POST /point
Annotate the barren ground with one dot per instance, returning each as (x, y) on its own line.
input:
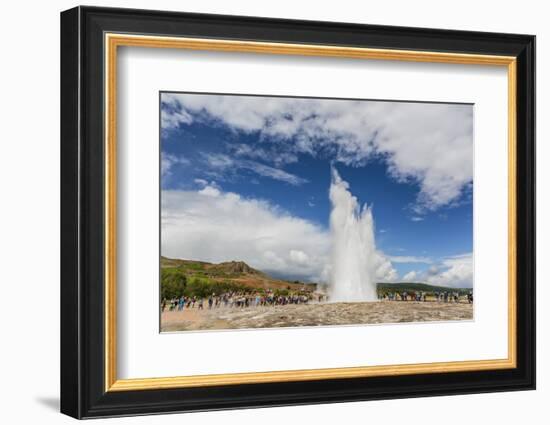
(314, 315)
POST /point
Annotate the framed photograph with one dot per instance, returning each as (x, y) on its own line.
(261, 212)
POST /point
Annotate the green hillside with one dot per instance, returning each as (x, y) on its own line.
(199, 278)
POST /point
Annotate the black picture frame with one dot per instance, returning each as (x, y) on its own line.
(83, 392)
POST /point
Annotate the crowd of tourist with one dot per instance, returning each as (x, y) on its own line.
(244, 300)
(421, 296)
(238, 300)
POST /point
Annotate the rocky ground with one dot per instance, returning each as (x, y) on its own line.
(314, 315)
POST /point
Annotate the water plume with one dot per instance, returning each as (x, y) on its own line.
(353, 257)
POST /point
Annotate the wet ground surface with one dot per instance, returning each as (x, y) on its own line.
(326, 314)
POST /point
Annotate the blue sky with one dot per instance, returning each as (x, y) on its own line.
(270, 157)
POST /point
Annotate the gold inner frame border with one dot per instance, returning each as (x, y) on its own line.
(113, 40)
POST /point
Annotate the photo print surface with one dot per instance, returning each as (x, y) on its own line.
(289, 211)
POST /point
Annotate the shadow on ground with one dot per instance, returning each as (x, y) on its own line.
(49, 402)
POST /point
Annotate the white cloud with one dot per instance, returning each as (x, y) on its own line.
(279, 158)
(417, 218)
(409, 259)
(427, 143)
(274, 173)
(410, 276)
(167, 161)
(172, 118)
(210, 191)
(298, 257)
(201, 182)
(212, 225)
(216, 226)
(455, 271)
(222, 163)
(384, 269)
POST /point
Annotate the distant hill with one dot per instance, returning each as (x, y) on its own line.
(226, 268)
(236, 272)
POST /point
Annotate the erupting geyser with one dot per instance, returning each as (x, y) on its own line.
(353, 248)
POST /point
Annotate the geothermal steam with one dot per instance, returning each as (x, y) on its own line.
(353, 247)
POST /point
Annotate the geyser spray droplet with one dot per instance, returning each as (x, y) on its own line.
(353, 247)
